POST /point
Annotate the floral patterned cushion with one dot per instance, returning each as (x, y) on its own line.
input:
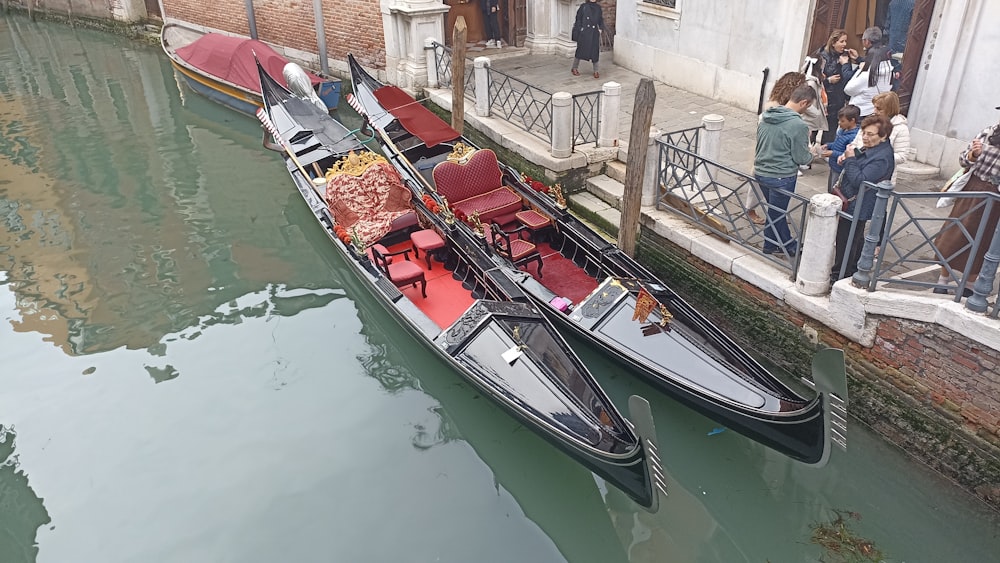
(368, 203)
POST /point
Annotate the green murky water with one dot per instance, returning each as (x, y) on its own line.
(186, 375)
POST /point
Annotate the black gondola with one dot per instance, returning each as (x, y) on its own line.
(626, 311)
(476, 320)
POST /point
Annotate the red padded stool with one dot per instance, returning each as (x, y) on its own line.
(427, 240)
(533, 220)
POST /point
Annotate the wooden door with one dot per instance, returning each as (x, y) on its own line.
(517, 22)
(829, 15)
(153, 9)
(920, 25)
(473, 14)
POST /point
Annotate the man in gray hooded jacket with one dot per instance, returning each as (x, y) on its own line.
(782, 146)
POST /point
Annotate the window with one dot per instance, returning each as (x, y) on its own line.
(670, 9)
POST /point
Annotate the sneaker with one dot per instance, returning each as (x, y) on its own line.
(491, 44)
(499, 43)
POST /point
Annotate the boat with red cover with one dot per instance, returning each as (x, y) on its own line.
(222, 67)
(474, 318)
(599, 293)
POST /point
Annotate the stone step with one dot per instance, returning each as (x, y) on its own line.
(916, 169)
(606, 189)
(596, 212)
(615, 169)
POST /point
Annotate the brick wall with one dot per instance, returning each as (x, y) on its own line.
(354, 26)
(927, 389)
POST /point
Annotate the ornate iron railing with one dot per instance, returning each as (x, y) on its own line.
(523, 104)
(517, 101)
(713, 196)
(904, 255)
(586, 117)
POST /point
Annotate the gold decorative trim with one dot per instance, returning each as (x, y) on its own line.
(354, 164)
(461, 153)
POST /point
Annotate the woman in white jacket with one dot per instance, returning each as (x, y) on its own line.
(873, 78)
(887, 104)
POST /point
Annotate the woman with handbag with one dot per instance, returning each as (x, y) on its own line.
(982, 159)
(587, 34)
(874, 163)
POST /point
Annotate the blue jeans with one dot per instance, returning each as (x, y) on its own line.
(776, 231)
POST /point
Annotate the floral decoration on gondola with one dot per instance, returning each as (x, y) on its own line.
(555, 190)
(442, 208)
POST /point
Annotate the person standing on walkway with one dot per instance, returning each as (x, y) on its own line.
(897, 24)
(874, 163)
(782, 146)
(982, 159)
(837, 70)
(587, 34)
(491, 17)
(874, 76)
(780, 94)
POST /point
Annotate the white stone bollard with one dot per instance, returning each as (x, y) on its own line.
(432, 72)
(611, 102)
(562, 125)
(819, 243)
(482, 70)
(710, 142)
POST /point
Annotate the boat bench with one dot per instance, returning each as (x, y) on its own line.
(476, 185)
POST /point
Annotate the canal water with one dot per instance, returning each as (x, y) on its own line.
(186, 374)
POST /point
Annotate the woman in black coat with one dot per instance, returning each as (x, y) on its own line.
(837, 70)
(587, 34)
(874, 164)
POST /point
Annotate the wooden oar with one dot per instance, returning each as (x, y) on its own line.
(265, 120)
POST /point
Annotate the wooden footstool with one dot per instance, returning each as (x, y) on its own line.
(428, 241)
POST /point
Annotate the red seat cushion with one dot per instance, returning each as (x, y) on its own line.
(520, 248)
(426, 239)
(533, 219)
(404, 272)
(489, 205)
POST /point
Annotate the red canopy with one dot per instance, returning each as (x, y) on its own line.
(414, 117)
(231, 59)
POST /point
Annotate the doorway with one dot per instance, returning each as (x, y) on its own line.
(855, 16)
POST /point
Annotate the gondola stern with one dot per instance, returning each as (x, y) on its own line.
(642, 420)
(829, 372)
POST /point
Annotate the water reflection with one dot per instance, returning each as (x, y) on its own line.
(129, 216)
(21, 510)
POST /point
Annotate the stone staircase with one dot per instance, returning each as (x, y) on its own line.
(600, 203)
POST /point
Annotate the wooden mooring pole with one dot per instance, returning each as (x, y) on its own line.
(458, 74)
(638, 141)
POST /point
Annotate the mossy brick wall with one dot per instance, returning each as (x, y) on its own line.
(929, 390)
(349, 25)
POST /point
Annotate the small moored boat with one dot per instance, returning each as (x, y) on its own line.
(599, 293)
(448, 297)
(222, 67)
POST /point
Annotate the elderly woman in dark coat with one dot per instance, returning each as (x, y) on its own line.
(873, 164)
(587, 34)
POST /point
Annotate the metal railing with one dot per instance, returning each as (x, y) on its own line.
(712, 196)
(903, 255)
(527, 106)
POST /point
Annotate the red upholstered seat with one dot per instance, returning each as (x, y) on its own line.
(515, 249)
(476, 186)
(533, 219)
(427, 240)
(400, 273)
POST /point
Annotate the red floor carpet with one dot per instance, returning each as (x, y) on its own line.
(562, 276)
(446, 298)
